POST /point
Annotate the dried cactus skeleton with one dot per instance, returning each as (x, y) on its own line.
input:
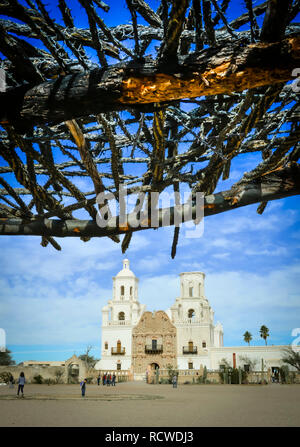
(165, 102)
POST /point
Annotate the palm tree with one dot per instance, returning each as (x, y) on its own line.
(264, 333)
(247, 337)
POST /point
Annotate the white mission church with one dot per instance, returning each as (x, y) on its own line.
(184, 335)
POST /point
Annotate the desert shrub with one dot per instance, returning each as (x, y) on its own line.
(4, 377)
(235, 375)
(38, 379)
(284, 374)
(293, 377)
(58, 376)
(122, 379)
(171, 372)
(222, 376)
(232, 376)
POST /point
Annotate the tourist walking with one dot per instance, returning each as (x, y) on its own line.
(104, 379)
(11, 381)
(83, 387)
(113, 382)
(174, 381)
(108, 380)
(98, 379)
(21, 383)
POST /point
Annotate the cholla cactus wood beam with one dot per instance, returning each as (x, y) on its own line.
(84, 112)
(230, 69)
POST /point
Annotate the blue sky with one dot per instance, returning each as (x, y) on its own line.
(51, 301)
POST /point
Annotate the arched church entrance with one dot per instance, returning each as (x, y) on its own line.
(154, 366)
(73, 373)
(153, 372)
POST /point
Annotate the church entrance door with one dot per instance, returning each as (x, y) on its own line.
(154, 366)
(153, 373)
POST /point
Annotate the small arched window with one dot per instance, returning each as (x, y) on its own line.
(204, 344)
(122, 290)
(121, 316)
(191, 291)
(106, 345)
(131, 291)
(191, 313)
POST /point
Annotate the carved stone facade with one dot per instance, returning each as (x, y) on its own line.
(153, 343)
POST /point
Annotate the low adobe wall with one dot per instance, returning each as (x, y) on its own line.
(47, 372)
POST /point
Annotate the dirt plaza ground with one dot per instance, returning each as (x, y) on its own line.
(137, 404)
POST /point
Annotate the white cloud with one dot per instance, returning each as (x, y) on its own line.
(221, 255)
(255, 222)
(159, 292)
(274, 251)
(223, 243)
(45, 314)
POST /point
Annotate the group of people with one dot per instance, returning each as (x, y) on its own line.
(107, 379)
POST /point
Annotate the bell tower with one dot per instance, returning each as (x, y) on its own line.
(125, 285)
(119, 317)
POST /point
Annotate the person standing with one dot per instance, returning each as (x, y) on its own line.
(113, 382)
(11, 381)
(21, 383)
(108, 379)
(83, 387)
(98, 379)
(174, 381)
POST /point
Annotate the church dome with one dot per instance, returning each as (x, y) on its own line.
(125, 272)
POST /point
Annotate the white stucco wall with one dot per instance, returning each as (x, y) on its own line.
(270, 354)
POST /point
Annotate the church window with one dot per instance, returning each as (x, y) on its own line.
(118, 366)
(204, 344)
(131, 291)
(191, 313)
(121, 316)
(122, 290)
(191, 289)
(191, 365)
(106, 345)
